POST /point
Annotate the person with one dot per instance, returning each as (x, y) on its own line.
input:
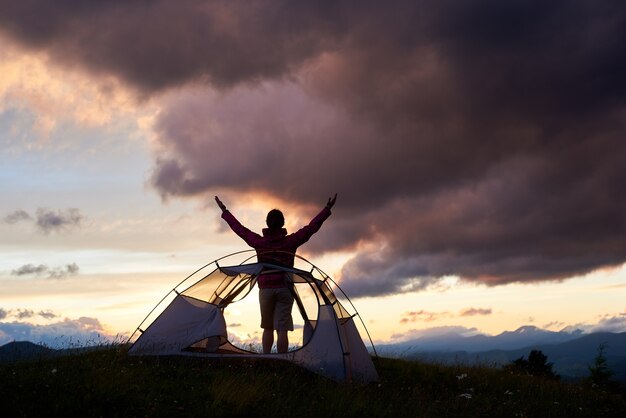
(276, 247)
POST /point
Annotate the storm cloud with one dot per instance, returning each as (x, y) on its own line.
(154, 45)
(483, 139)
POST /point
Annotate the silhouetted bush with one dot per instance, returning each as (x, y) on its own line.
(536, 365)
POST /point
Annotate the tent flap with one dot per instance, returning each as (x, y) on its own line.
(184, 322)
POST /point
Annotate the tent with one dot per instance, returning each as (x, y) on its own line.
(193, 323)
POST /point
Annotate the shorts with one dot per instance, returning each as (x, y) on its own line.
(276, 307)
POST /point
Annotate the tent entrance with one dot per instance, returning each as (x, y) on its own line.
(238, 298)
(243, 319)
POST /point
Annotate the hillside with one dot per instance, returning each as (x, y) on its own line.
(23, 350)
(109, 383)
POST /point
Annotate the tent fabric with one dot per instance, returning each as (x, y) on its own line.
(193, 324)
(184, 322)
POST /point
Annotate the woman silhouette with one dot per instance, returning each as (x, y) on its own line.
(277, 247)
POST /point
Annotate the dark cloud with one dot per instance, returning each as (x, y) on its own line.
(17, 216)
(455, 151)
(158, 44)
(50, 272)
(3, 313)
(48, 220)
(482, 139)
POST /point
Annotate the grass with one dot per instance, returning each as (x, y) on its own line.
(109, 383)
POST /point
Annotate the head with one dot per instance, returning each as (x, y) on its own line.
(275, 219)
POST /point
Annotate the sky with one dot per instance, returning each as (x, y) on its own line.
(477, 149)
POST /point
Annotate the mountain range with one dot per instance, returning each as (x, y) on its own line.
(508, 340)
(570, 352)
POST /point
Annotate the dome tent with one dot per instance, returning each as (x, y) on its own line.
(193, 323)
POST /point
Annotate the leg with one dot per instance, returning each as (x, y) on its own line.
(282, 344)
(268, 340)
(266, 302)
(283, 322)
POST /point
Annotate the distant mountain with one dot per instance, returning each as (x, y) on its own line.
(571, 353)
(573, 358)
(530, 335)
(508, 340)
(24, 350)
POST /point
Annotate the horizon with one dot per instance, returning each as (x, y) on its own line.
(477, 151)
(429, 335)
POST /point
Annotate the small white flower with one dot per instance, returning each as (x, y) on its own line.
(465, 395)
(508, 392)
(461, 376)
(53, 371)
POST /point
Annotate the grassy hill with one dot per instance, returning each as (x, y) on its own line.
(24, 350)
(109, 383)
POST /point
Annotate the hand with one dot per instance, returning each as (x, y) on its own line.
(220, 204)
(331, 201)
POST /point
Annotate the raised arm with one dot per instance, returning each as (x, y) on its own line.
(251, 238)
(331, 201)
(305, 233)
(220, 204)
